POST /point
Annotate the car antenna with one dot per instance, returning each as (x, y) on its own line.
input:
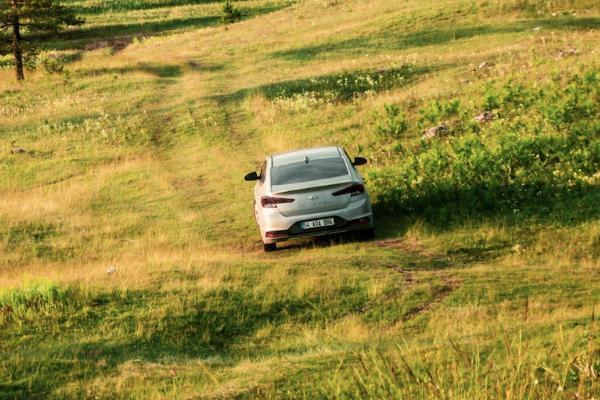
(306, 160)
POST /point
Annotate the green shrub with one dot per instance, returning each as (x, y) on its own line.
(230, 14)
(437, 110)
(33, 301)
(530, 160)
(6, 61)
(492, 99)
(392, 123)
(52, 63)
(579, 100)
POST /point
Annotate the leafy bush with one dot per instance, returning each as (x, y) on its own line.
(230, 14)
(525, 160)
(579, 100)
(52, 63)
(6, 62)
(492, 99)
(393, 123)
(437, 110)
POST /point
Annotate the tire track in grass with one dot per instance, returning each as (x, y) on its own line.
(421, 262)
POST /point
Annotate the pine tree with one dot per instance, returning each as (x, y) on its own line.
(23, 22)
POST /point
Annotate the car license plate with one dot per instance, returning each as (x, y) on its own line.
(318, 223)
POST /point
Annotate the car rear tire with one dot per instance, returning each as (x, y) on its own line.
(367, 234)
(268, 247)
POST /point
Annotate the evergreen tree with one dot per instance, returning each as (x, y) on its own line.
(24, 21)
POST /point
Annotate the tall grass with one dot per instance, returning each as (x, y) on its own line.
(35, 301)
(459, 371)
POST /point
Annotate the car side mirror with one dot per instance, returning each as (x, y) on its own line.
(359, 161)
(252, 176)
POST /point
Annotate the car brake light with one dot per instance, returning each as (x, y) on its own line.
(352, 190)
(271, 202)
(277, 234)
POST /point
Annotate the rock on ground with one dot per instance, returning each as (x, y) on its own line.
(435, 131)
(17, 150)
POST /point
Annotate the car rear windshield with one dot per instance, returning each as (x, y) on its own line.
(298, 172)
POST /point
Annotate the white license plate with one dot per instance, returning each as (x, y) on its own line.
(318, 223)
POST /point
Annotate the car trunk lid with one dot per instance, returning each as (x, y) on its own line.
(313, 197)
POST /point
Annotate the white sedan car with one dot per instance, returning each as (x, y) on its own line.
(310, 192)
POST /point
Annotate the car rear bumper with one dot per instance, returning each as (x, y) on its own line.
(275, 227)
(341, 226)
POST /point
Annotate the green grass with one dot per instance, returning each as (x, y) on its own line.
(130, 265)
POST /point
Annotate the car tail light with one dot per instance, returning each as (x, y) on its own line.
(271, 202)
(277, 234)
(360, 221)
(352, 190)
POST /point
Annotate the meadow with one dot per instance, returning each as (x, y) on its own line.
(130, 264)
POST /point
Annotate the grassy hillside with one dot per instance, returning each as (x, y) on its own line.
(130, 265)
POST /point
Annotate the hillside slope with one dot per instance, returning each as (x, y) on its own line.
(130, 266)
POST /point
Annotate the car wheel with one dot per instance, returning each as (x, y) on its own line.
(367, 234)
(269, 247)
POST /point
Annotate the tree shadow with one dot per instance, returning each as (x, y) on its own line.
(205, 67)
(393, 38)
(212, 326)
(134, 5)
(119, 36)
(161, 71)
(118, 6)
(454, 209)
(158, 70)
(445, 208)
(82, 37)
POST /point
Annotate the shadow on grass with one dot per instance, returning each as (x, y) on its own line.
(455, 209)
(158, 70)
(390, 230)
(122, 6)
(81, 37)
(134, 5)
(394, 38)
(342, 86)
(346, 85)
(211, 325)
(201, 67)
(444, 208)
(119, 36)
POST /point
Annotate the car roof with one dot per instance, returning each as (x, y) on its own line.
(300, 155)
